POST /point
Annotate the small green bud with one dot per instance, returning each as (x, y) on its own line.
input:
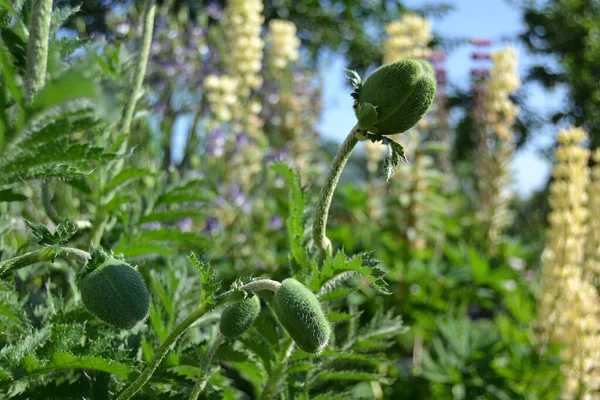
(300, 313)
(401, 92)
(238, 317)
(115, 293)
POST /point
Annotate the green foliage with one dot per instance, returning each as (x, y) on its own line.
(37, 139)
(341, 269)
(295, 220)
(564, 30)
(461, 362)
(441, 320)
(63, 234)
(209, 282)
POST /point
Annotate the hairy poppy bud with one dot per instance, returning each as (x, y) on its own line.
(299, 311)
(238, 317)
(115, 293)
(400, 92)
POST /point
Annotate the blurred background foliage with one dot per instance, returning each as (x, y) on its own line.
(461, 253)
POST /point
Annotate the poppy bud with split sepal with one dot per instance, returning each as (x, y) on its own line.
(394, 97)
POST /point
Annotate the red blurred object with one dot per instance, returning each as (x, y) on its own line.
(440, 75)
(480, 72)
(481, 42)
(437, 56)
(480, 56)
(478, 88)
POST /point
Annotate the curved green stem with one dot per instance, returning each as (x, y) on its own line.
(201, 384)
(160, 354)
(255, 286)
(37, 47)
(43, 254)
(142, 61)
(100, 219)
(320, 239)
(270, 390)
(47, 202)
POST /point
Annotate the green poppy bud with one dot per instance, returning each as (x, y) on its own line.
(238, 317)
(400, 92)
(115, 293)
(300, 313)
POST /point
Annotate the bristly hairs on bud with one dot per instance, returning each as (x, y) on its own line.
(237, 288)
(356, 81)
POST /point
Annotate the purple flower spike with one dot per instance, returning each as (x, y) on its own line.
(241, 140)
(185, 224)
(276, 223)
(236, 195)
(214, 10)
(215, 143)
(277, 156)
(151, 226)
(213, 226)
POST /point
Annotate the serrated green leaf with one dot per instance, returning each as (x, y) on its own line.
(335, 294)
(192, 191)
(294, 222)
(9, 78)
(209, 280)
(336, 316)
(66, 125)
(67, 46)
(58, 172)
(52, 153)
(170, 215)
(72, 85)
(173, 235)
(60, 15)
(341, 269)
(125, 176)
(261, 347)
(350, 376)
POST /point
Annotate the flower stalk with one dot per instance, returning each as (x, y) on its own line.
(160, 354)
(41, 255)
(201, 384)
(320, 240)
(37, 48)
(141, 64)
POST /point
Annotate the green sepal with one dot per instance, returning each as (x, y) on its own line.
(367, 116)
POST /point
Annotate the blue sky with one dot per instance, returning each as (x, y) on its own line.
(493, 19)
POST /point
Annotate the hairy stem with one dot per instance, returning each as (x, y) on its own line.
(255, 286)
(41, 255)
(148, 12)
(142, 61)
(320, 239)
(270, 390)
(160, 354)
(203, 379)
(37, 47)
(47, 202)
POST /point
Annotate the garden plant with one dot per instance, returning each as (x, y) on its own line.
(173, 227)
